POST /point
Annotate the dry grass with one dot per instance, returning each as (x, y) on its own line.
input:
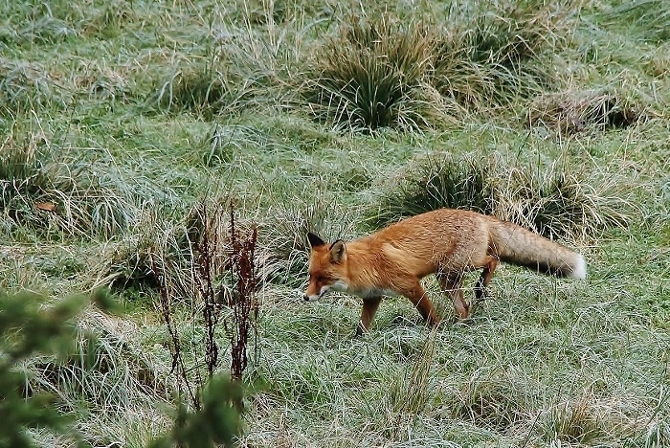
(119, 118)
(374, 75)
(381, 72)
(556, 200)
(59, 194)
(571, 112)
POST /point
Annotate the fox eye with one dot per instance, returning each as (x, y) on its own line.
(319, 278)
(316, 277)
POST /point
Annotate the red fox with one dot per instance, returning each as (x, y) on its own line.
(445, 242)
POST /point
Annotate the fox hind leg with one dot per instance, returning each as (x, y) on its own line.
(485, 278)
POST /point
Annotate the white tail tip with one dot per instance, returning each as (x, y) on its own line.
(580, 268)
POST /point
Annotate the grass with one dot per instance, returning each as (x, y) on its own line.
(415, 74)
(645, 15)
(373, 76)
(551, 197)
(117, 120)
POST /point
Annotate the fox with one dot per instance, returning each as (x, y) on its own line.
(447, 243)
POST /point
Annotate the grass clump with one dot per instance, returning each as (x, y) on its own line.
(446, 182)
(60, 194)
(201, 90)
(25, 182)
(574, 422)
(587, 419)
(20, 169)
(135, 262)
(379, 73)
(373, 75)
(239, 69)
(214, 88)
(26, 87)
(560, 200)
(555, 200)
(41, 24)
(128, 264)
(487, 57)
(568, 113)
(497, 400)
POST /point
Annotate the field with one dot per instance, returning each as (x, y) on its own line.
(128, 130)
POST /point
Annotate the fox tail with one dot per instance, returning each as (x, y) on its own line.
(516, 245)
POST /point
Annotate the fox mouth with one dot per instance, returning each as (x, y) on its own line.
(315, 297)
(337, 286)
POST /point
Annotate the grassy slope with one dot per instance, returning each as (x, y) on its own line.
(542, 361)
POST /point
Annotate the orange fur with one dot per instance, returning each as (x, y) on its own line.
(444, 242)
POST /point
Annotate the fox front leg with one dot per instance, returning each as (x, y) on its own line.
(370, 306)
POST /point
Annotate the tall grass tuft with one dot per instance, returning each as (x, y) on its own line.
(574, 421)
(571, 112)
(243, 67)
(379, 73)
(373, 75)
(409, 394)
(129, 263)
(60, 195)
(555, 200)
(26, 87)
(20, 167)
(438, 182)
(486, 58)
(199, 89)
(160, 243)
(496, 399)
(26, 183)
(559, 200)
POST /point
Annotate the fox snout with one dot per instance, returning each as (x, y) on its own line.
(313, 294)
(315, 291)
(307, 297)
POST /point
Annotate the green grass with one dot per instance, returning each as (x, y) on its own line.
(339, 117)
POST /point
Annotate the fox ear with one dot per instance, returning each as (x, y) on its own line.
(314, 240)
(337, 251)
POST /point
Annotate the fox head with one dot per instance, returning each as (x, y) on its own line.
(327, 267)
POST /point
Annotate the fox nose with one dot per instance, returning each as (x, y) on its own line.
(305, 297)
